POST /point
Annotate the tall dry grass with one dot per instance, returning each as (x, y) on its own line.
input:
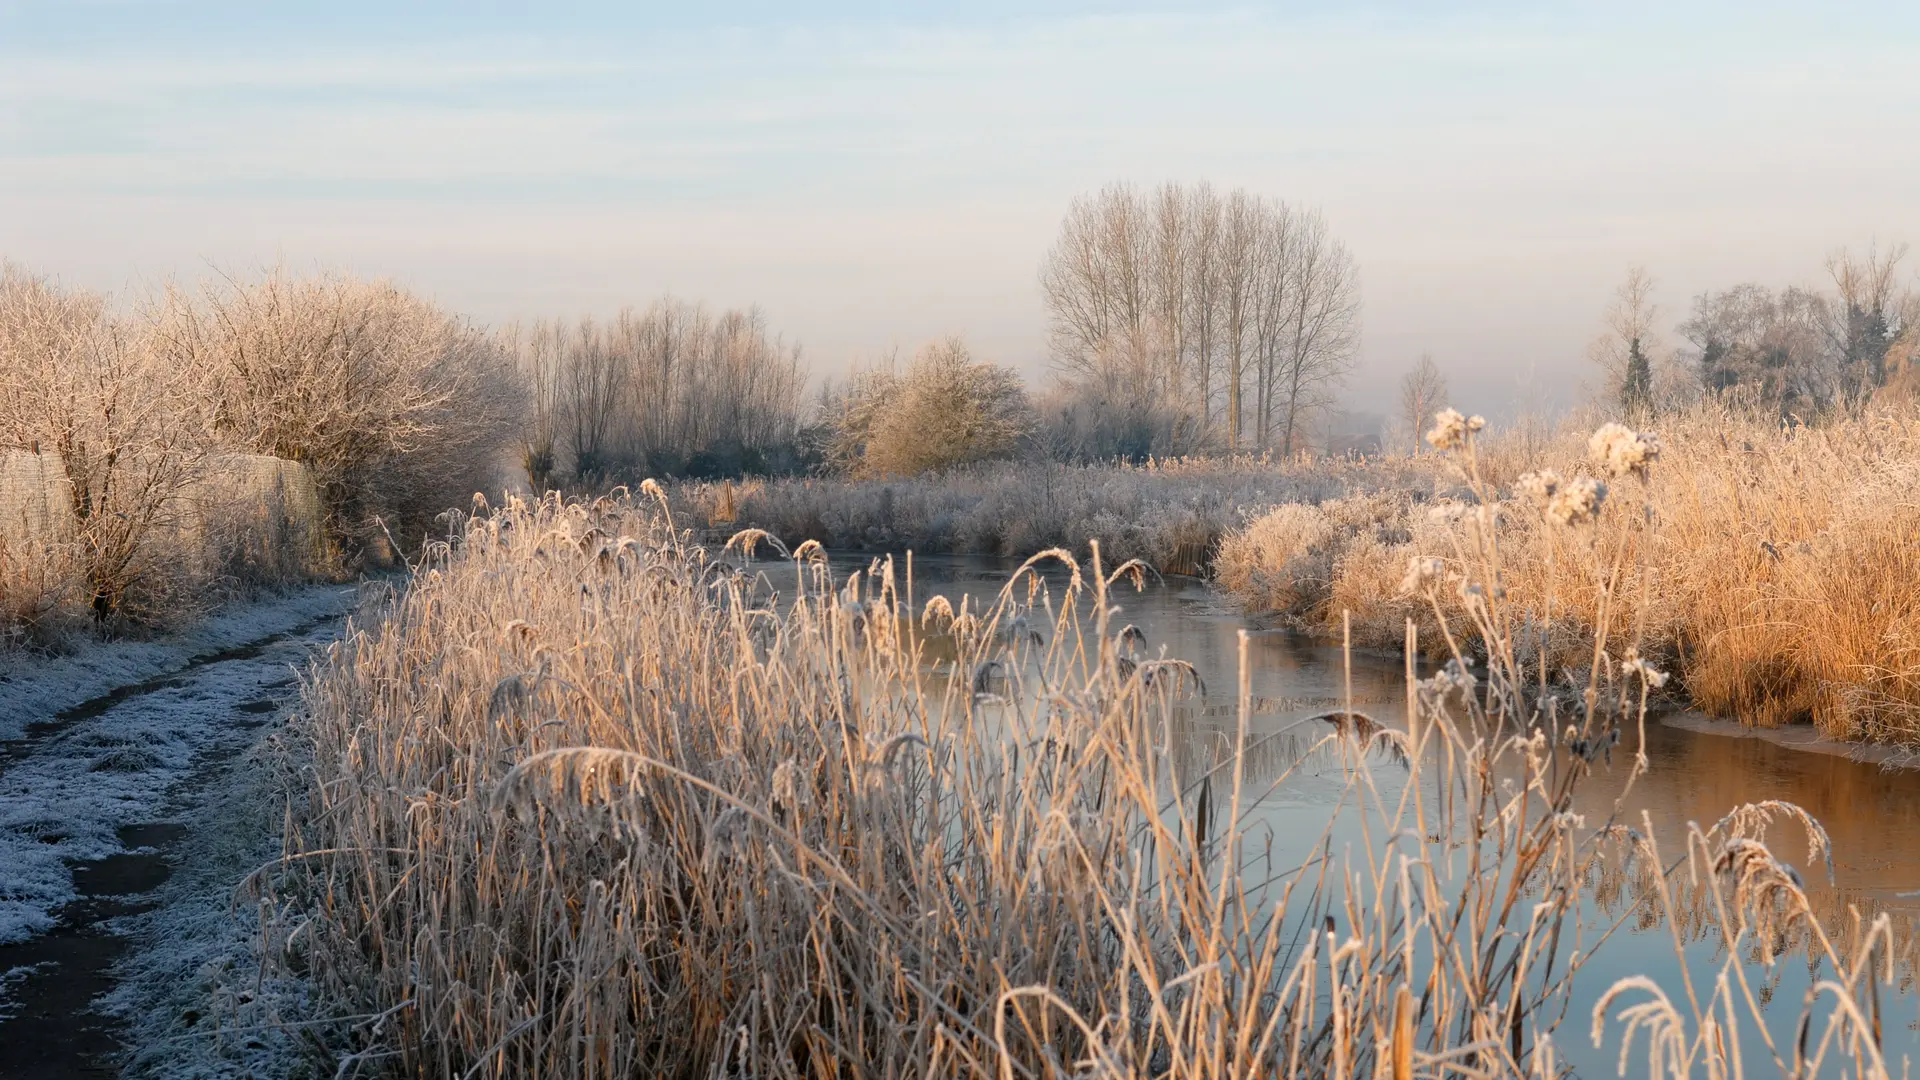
(1774, 564)
(589, 802)
(1169, 513)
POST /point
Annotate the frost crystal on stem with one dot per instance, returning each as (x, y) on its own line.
(1618, 451)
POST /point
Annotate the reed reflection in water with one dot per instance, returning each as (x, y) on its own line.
(1868, 813)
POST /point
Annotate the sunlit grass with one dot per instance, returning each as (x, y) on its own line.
(589, 801)
(1771, 565)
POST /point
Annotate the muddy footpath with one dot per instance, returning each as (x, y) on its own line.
(127, 818)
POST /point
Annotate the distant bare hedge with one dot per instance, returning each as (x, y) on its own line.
(947, 409)
(400, 409)
(674, 390)
(140, 443)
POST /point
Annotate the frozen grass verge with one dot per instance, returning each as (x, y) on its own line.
(66, 794)
(197, 998)
(35, 687)
(1170, 514)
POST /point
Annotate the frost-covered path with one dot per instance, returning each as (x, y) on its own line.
(130, 798)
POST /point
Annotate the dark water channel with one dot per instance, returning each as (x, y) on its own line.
(1871, 814)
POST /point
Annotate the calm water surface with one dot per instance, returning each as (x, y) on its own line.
(1872, 816)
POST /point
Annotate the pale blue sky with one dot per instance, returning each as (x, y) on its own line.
(878, 173)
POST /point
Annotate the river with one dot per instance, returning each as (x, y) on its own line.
(1692, 776)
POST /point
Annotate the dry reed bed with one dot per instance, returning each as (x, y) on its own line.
(1169, 514)
(587, 802)
(1775, 566)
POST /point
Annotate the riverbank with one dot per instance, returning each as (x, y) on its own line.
(1804, 738)
(1169, 514)
(1769, 568)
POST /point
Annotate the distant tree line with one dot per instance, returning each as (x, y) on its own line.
(674, 390)
(1181, 321)
(1792, 351)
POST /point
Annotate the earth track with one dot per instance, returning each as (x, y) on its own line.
(98, 806)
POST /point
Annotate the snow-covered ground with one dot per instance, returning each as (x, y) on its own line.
(180, 743)
(193, 995)
(35, 688)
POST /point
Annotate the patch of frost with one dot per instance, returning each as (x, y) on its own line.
(8, 980)
(67, 799)
(199, 999)
(34, 688)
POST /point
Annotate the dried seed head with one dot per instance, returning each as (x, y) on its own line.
(1453, 677)
(1540, 487)
(788, 792)
(1652, 676)
(937, 615)
(1422, 572)
(1617, 450)
(1577, 502)
(1450, 429)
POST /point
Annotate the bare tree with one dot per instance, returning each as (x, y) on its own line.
(537, 353)
(123, 423)
(946, 409)
(1864, 321)
(1799, 351)
(592, 378)
(1239, 260)
(1324, 322)
(1423, 391)
(849, 412)
(1168, 289)
(1278, 283)
(1625, 350)
(1200, 310)
(398, 408)
(1096, 283)
(1764, 348)
(1238, 310)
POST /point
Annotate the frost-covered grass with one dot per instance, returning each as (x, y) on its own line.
(10, 979)
(589, 803)
(1774, 566)
(1169, 514)
(197, 999)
